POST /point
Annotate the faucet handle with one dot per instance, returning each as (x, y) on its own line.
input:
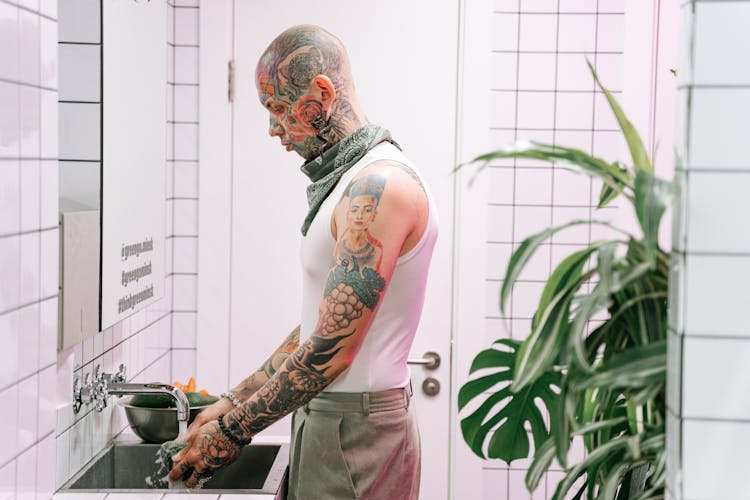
(100, 386)
(77, 395)
(120, 375)
(101, 400)
(83, 392)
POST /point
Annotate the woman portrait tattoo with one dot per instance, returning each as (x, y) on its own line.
(357, 242)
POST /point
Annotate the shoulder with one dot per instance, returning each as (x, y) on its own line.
(398, 180)
(386, 198)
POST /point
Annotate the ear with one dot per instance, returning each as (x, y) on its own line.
(323, 86)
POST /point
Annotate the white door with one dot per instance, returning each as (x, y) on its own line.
(403, 58)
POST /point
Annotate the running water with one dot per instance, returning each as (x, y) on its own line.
(182, 426)
(159, 479)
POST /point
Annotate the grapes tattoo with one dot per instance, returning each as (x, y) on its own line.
(342, 307)
(348, 292)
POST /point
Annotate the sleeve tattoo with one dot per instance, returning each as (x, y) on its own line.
(251, 384)
(352, 291)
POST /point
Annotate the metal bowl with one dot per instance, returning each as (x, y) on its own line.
(156, 425)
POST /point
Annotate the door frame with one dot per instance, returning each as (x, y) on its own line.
(469, 228)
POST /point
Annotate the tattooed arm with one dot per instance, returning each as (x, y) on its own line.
(251, 384)
(247, 387)
(382, 209)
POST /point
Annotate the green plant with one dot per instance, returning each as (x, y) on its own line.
(604, 384)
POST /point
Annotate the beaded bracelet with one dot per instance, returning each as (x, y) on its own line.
(230, 436)
(231, 397)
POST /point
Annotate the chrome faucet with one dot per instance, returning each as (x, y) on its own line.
(121, 388)
(103, 385)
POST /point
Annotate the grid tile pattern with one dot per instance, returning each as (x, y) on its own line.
(708, 424)
(182, 189)
(543, 91)
(28, 245)
(142, 341)
(49, 442)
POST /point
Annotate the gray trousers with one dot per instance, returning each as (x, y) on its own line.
(355, 445)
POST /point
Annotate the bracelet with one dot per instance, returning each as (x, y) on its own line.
(230, 436)
(231, 397)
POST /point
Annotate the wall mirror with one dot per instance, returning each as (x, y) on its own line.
(112, 108)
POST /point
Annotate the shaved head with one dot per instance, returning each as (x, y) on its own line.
(298, 55)
(304, 80)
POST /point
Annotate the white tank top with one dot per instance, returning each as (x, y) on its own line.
(380, 363)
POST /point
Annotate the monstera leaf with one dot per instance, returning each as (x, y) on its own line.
(504, 413)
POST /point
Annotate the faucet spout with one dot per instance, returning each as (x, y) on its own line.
(183, 406)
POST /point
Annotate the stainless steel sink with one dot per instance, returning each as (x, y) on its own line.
(124, 467)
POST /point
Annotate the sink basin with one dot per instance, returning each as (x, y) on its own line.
(124, 467)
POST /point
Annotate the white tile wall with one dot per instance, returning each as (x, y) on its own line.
(505, 30)
(537, 32)
(48, 51)
(708, 431)
(9, 122)
(710, 469)
(184, 330)
(717, 120)
(186, 102)
(578, 33)
(29, 44)
(9, 196)
(185, 296)
(182, 219)
(715, 376)
(79, 72)
(185, 217)
(49, 442)
(729, 294)
(79, 21)
(185, 141)
(542, 90)
(80, 131)
(535, 110)
(721, 28)
(186, 27)
(535, 71)
(186, 64)
(30, 193)
(185, 179)
(49, 125)
(711, 216)
(29, 121)
(186, 258)
(25, 57)
(8, 480)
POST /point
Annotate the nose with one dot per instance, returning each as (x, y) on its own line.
(274, 128)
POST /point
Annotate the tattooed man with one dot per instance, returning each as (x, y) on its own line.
(367, 242)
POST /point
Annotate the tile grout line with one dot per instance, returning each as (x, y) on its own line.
(27, 377)
(29, 304)
(21, 452)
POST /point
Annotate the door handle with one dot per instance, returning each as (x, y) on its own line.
(430, 360)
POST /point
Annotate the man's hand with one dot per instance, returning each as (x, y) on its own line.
(210, 414)
(208, 451)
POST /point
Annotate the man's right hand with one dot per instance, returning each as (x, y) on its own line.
(220, 407)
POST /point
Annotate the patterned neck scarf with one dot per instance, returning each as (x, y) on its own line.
(326, 169)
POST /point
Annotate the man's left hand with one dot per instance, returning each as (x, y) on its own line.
(208, 451)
